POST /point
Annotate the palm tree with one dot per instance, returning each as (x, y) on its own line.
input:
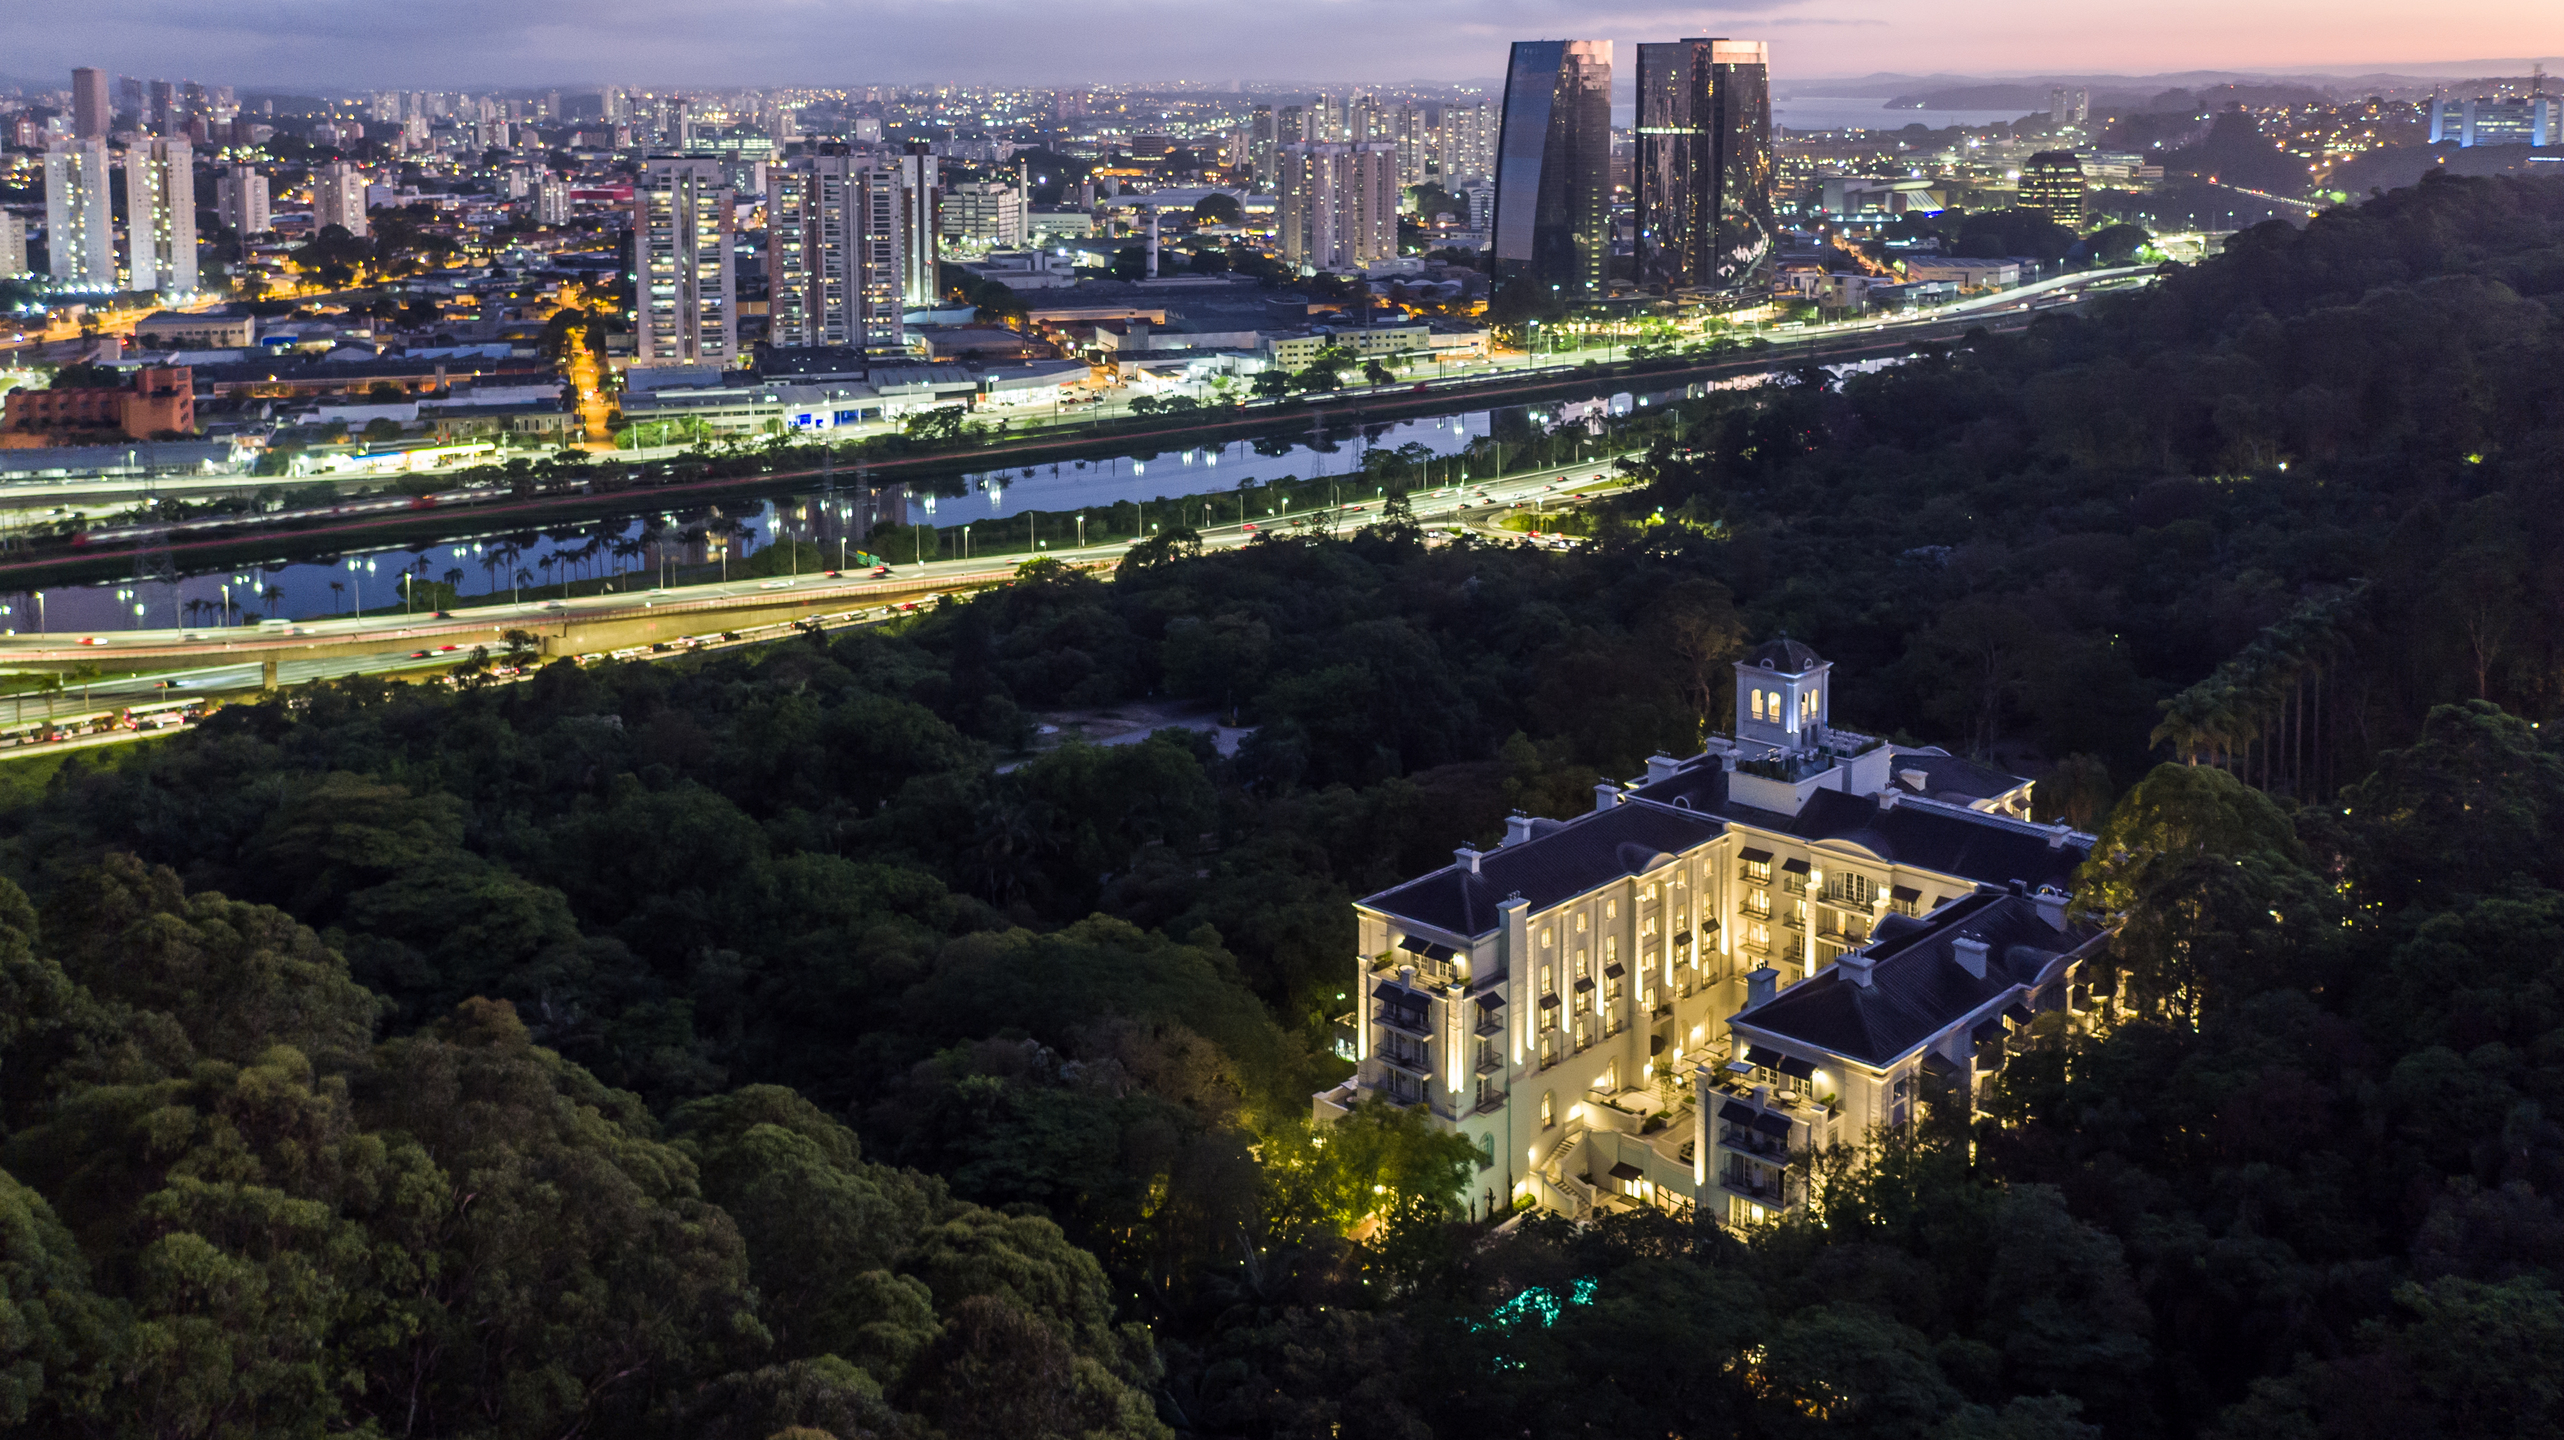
(274, 596)
(337, 589)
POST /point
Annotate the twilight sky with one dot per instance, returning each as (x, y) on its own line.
(474, 43)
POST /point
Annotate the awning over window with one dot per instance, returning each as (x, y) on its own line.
(1655, 1044)
(1773, 1125)
(2017, 1013)
(1683, 939)
(1794, 867)
(1491, 1001)
(1736, 1113)
(1418, 945)
(1405, 1008)
(1792, 1065)
(1585, 984)
(1903, 894)
(1626, 1171)
(1935, 1064)
(1615, 970)
(1763, 1055)
(1755, 857)
(1548, 1002)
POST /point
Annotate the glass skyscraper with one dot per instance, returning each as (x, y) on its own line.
(1704, 164)
(1553, 167)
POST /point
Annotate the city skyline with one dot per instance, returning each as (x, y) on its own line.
(287, 42)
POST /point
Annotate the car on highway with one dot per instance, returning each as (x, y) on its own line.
(420, 654)
(1248, 527)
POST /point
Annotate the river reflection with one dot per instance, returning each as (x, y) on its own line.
(630, 547)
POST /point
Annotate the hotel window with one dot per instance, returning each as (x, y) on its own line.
(1547, 937)
(1548, 979)
(1611, 949)
(1611, 990)
(1651, 894)
(1611, 909)
(1581, 970)
(1580, 922)
(1758, 933)
(1759, 871)
(1548, 1108)
(1758, 704)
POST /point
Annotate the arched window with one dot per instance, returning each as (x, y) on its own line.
(1548, 1108)
(1758, 705)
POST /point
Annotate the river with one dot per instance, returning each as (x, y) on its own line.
(636, 542)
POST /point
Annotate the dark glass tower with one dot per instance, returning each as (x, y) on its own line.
(1704, 162)
(1553, 167)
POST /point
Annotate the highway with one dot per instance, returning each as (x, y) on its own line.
(148, 664)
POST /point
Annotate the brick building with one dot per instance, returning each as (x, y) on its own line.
(155, 402)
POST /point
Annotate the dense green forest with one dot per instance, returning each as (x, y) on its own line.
(751, 1043)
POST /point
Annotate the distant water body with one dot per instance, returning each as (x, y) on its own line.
(1852, 112)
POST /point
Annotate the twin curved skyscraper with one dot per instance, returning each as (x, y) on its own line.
(1703, 168)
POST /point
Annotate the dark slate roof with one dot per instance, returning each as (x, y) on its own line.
(1784, 655)
(1918, 988)
(1949, 777)
(1951, 841)
(1699, 785)
(1581, 854)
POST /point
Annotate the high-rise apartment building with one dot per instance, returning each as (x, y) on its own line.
(833, 275)
(338, 198)
(164, 107)
(240, 198)
(1553, 168)
(129, 95)
(1466, 142)
(1414, 139)
(13, 245)
(685, 282)
(160, 216)
(2052, 185)
(1704, 164)
(551, 201)
(1263, 145)
(1339, 205)
(921, 225)
(2069, 105)
(92, 114)
(80, 227)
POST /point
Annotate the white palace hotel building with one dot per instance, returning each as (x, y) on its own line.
(1794, 937)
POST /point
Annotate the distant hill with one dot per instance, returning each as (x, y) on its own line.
(2397, 166)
